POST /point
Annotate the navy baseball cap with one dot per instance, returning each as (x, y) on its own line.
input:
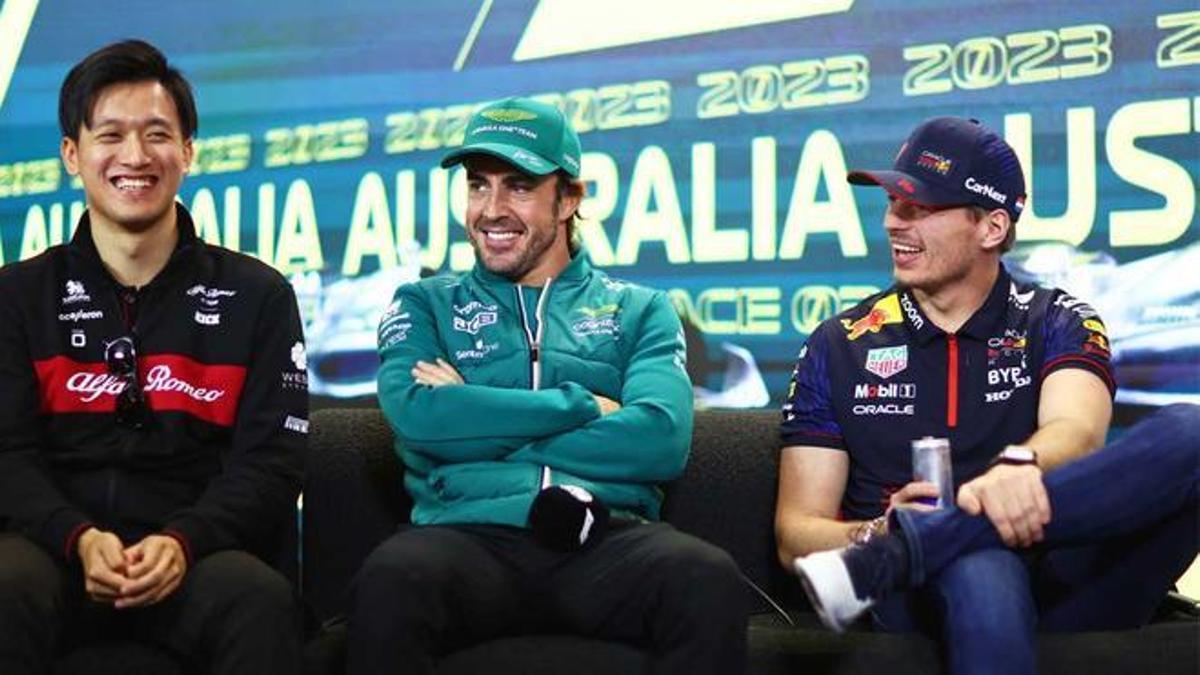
(953, 161)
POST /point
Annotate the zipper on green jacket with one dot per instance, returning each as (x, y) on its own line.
(535, 348)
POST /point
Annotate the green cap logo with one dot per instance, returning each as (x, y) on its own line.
(508, 115)
(530, 134)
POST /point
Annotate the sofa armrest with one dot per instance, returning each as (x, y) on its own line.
(353, 500)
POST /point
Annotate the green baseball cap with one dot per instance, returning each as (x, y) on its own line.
(533, 136)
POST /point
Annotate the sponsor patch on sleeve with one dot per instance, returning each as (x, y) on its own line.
(296, 424)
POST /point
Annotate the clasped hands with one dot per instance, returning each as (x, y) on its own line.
(128, 577)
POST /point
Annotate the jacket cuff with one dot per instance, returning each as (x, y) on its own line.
(583, 404)
(60, 533)
(70, 552)
(183, 543)
(192, 535)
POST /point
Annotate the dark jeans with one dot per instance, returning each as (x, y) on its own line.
(428, 591)
(232, 614)
(1124, 525)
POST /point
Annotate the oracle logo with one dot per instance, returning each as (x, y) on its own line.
(158, 378)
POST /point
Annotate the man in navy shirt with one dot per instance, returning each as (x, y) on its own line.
(1047, 531)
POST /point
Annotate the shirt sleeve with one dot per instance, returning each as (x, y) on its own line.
(30, 500)
(1075, 337)
(808, 417)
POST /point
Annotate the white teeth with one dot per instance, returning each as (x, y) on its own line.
(503, 236)
(905, 249)
(133, 183)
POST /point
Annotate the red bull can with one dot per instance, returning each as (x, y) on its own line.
(931, 463)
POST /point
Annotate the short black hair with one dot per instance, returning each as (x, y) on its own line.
(119, 62)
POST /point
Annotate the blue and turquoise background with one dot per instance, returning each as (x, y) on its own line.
(717, 137)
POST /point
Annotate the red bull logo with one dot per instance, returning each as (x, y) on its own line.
(886, 311)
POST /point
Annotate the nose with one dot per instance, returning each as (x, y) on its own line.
(133, 151)
(893, 222)
(899, 216)
(491, 207)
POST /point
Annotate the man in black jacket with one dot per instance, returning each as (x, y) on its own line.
(154, 405)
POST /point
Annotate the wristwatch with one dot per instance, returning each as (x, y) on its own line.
(868, 530)
(1017, 455)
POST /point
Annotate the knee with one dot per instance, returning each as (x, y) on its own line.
(29, 579)
(242, 580)
(1172, 432)
(705, 575)
(987, 588)
(401, 565)
(1177, 422)
(1181, 416)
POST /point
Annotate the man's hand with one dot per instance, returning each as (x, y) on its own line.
(436, 374)
(103, 564)
(607, 405)
(1014, 498)
(905, 497)
(155, 567)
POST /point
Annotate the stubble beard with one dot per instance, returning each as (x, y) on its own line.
(535, 249)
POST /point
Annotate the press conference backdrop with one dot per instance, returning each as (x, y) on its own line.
(717, 137)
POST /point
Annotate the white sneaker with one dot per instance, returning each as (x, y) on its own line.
(827, 583)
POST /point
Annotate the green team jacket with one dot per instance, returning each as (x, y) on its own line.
(531, 358)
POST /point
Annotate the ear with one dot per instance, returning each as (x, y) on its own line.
(994, 228)
(188, 154)
(570, 202)
(70, 155)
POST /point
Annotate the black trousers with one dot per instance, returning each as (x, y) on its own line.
(428, 591)
(232, 614)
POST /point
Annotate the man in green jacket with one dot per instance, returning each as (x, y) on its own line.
(535, 401)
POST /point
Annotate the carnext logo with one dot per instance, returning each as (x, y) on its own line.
(985, 190)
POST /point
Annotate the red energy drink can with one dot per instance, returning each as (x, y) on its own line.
(931, 463)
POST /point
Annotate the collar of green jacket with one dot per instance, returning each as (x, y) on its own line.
(576, 271)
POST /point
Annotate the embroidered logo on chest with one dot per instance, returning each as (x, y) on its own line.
(887, 361)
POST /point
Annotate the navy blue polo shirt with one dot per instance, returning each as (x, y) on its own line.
(881, 374)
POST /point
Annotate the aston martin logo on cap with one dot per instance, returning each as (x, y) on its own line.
(508, 115)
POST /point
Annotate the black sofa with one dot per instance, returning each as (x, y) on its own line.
(353, 500)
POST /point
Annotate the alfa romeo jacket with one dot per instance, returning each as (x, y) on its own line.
(221, 362)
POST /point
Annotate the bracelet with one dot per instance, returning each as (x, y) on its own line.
(868, 530)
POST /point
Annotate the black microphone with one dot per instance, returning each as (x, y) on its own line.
(565, 517)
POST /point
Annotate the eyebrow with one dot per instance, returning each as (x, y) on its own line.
(519, 177)
(508, 178)
(155, 121)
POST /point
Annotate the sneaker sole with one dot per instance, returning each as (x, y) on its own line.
(837, 607)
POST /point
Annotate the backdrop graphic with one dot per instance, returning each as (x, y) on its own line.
(717, 136)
